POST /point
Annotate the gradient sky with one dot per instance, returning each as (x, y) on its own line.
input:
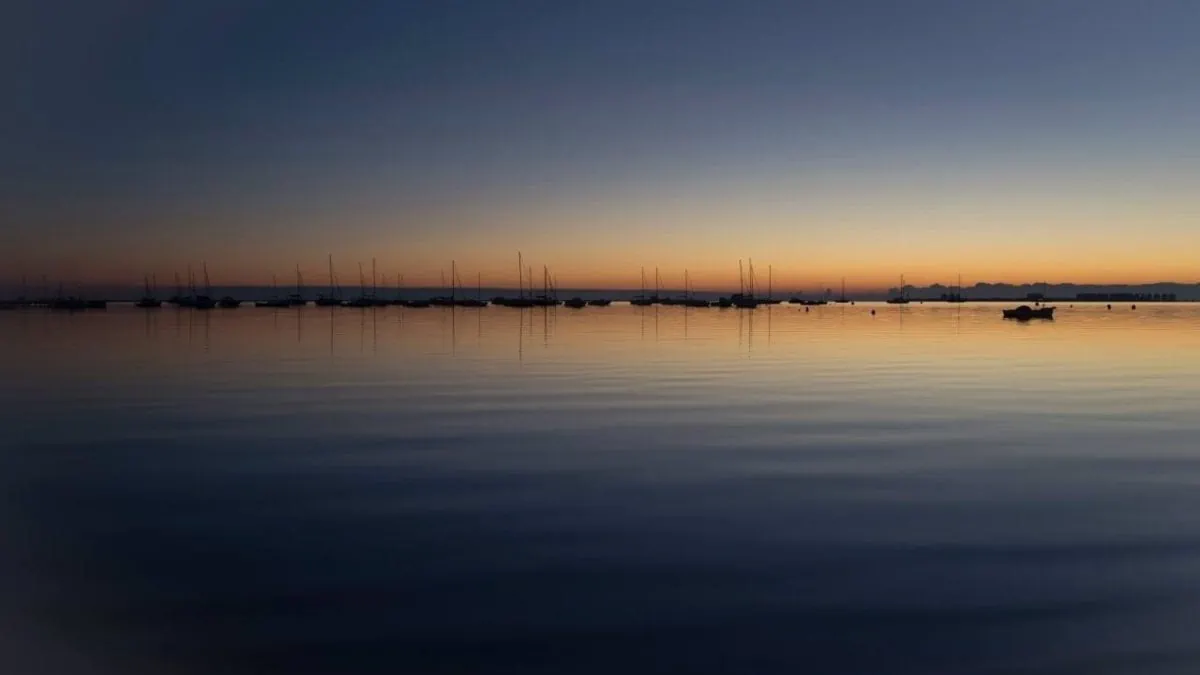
(1016, 140)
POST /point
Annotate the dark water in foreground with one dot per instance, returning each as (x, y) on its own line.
(930, 490)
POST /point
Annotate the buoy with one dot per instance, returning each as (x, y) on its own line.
(1133, 307)
(872, 312)
(1110, 306)
(806, 310)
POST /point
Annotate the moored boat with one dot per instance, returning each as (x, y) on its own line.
(901, 299)
(1025, 313)
(148, 300)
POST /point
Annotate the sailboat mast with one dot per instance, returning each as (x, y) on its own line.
(479, 286)
(643, 281)
(374, 282)
(207, 283)
(453, 279)
(331, 284)
(770, 282)
(751, 266)
(362, 282)
(520, 275)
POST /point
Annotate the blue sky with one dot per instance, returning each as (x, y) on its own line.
(151, 134)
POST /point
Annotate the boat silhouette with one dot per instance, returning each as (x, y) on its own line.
(148, 300)
(1025, 313)
(297, 299)
(334, 299)
(901, 299)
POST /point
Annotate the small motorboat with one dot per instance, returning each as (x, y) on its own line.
(229, 302)
(600, 302)
(276, 303)
(1025, 313)
(575, 303)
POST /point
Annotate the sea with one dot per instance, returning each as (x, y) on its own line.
(845, 489)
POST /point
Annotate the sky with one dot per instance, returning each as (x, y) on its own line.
(1010, 141)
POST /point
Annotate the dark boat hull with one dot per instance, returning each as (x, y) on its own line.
(1026, 313)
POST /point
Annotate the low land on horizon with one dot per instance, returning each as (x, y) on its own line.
(976, 292)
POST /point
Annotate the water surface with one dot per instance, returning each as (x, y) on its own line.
(929, 489)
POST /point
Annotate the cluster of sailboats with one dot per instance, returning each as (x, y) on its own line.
(197, 293)
(200, 296)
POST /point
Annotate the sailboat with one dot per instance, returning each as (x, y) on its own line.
(179, 298)
(275, 300)
(549, 296)
(476, 301)
(745, 300)
(520, 300)
(334, 299)
(842, 300)
(957, 295)
(148, 300)
(640, 299)
(203, 301)
(901, 299)
(689, 297)
(770, 299)
(297, 299)
(363, 300)
(445, 300)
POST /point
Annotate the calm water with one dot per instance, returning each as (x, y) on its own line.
(929, 490)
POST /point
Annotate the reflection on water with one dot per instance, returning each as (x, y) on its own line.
(929, 489)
